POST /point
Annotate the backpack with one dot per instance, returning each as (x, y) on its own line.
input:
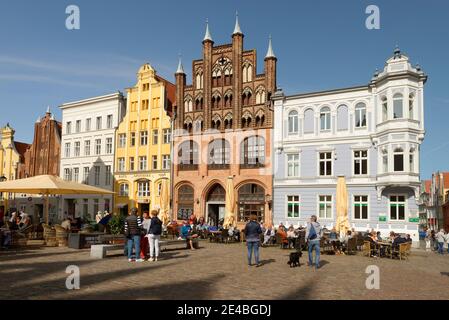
(312, 233)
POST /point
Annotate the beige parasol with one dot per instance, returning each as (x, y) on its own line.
(164, 202)
(342, 225)
(49, 185)
(230, 204)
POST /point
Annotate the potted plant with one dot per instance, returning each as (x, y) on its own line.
(117, 225)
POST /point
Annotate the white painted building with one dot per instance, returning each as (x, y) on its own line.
(369, 134)
(88, 150)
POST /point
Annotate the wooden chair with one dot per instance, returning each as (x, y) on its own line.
(366, 250)
(351, 247)
(61, 236)
(281, 242)
(360, 242)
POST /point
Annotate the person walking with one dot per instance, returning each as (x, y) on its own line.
(252, 234)
(313, 236)
(440, 237)
(154, 235)
(133, 230)
(428, 239)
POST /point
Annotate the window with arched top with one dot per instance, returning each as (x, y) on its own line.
(188, 105)
(293, 122)
(384, 109)
(247, 73)
(188, 154)
(216, 78)
(228, 76)
(398, 160)
(360, 115)
(309, 121)
(216, 99)
(199, 104)
(260, 96)
(398, 106)
(411, 106)
(246, 98)
(342, 117)
(325, 119)
(185, 202)
(199, 80)
(124, 190)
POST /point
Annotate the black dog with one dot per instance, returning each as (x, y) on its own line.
(294, 259)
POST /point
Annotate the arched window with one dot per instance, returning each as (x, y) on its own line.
(260, 95)
(143, 188)
(360, 115)
(188, 125)
(246, 97)
(228, 121)
(185, 202)
(188, 105)
(246, 120)
(309, 121)
(216, 78)
(198, 124)
(247, 72)
(216, 101)
(411, 106)
(219, 153)
(228, 76)
(253, 152)
(342, 118)
(384, 109)
(199, 80)
(398, 106)
(251, 199)
(228, 100)
(325, 119)
(199, 104)
(188, 154)
(398, 160)
(124, 190)
(293, 122)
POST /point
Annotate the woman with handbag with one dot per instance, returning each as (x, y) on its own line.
(154, 235)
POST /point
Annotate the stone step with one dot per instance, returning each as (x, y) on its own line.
(35, 242)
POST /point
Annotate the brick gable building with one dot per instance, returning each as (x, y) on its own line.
(222, 130)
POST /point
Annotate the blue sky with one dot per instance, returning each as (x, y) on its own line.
(320, 45)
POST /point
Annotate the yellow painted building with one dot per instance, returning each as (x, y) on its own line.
(143, 143)
(11, 158)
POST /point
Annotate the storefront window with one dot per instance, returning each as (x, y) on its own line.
(185, 202)
(251, 202)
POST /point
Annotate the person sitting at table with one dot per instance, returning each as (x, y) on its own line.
(192, 219)
(283, 235)
(291, 237)
(67, 224)
(234, 233)
(398, 240)
(371, 237)
(25, 221)
(187, 233)
(408, 238)
(379, 236)
(344, 240)
(98, 217)
(268, 235)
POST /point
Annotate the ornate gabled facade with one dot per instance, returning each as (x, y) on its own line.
(222, 128)
(369, 134)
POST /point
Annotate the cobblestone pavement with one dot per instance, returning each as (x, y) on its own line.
(218, 271)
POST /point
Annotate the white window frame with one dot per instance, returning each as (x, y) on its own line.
(167, 136)
(97, 175)
(165, 162)
(110, 121)
(77, 149)
(121, 165)
(122, 140)
(295, 123)
(87, 148)
(67, 149)
(361, 202)
(109, 146)
(108, 177)
(405, 206)
(332, 206)
(78, 126)
(361, 160)
(88, 124)
(76, 174)
(99, 123)
(293, 162)
(327, 119)
(403, 159)
(143, 189)
(98, 147)
(396, 98)
(154, 162)
(143, 137)
(287, 203)
(124, 190)
(86, 173)
(331, 160)
(359, 112)
(143, 163)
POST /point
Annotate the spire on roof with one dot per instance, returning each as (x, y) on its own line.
(38, 120)
(237, 29)
(180, 67)
(48, 109)
(270, 52)
(207, 36)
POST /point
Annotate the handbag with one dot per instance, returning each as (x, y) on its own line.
(312, 233)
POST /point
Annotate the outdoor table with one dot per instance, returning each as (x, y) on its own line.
(387, 246)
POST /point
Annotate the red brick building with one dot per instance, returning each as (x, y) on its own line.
(44, 154)
(222, 129)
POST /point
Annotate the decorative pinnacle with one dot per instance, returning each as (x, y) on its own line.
(270, 52)
(207, 36)
(237, 29)
(180, 67)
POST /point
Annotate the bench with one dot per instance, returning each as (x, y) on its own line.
(164, 243)
(100, 251)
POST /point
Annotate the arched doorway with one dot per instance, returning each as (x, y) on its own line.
(215, 205)
(251, 200)
(185, 202)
